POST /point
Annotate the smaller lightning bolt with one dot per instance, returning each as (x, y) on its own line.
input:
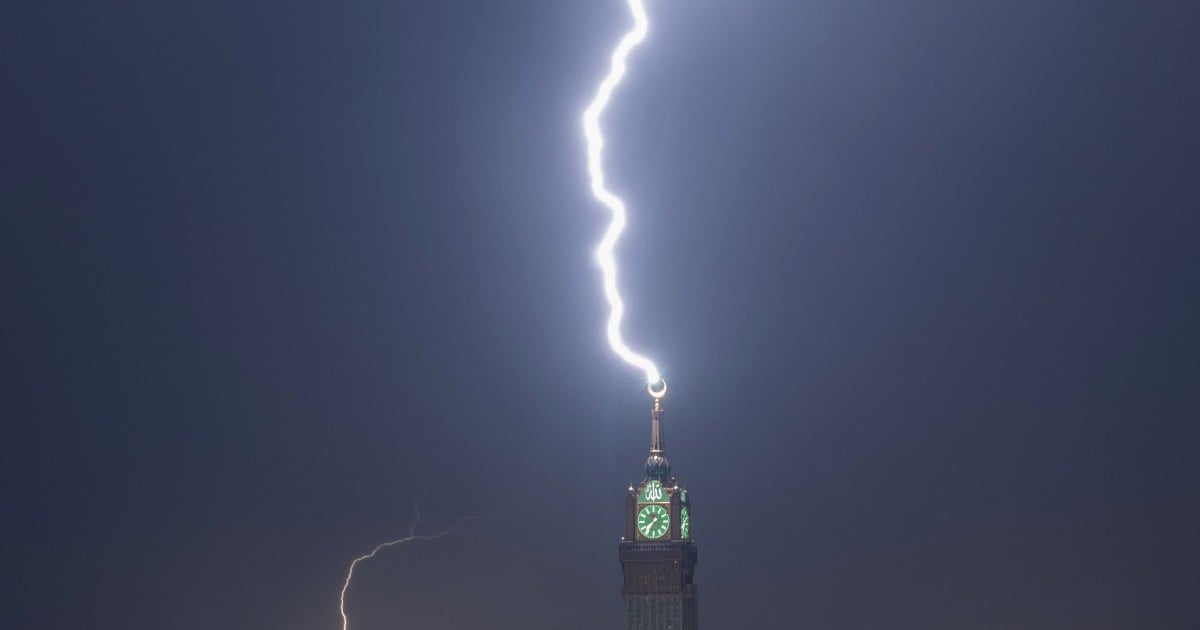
(412, 535)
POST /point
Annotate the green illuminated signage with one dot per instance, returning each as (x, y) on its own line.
(653, 492)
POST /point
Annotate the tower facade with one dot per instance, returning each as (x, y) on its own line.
(657, 553)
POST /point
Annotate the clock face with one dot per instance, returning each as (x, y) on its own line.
(653, 521)
(685, 523)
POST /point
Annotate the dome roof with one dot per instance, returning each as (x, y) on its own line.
(658, 466)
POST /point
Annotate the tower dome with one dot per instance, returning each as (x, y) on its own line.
(658, 466)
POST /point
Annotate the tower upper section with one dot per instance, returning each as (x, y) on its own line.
(657, 554)
(658, 507)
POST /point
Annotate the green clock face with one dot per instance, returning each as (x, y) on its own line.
(685, 523)
(654, 521)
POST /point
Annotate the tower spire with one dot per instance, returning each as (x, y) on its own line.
(657, 464)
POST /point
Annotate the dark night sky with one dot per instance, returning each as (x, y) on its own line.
(923, 276)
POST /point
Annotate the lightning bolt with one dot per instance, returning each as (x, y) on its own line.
(595, 149)
(412, 535)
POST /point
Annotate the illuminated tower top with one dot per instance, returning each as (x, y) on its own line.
(658, 556)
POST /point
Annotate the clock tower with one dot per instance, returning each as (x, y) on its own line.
(657, 554)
